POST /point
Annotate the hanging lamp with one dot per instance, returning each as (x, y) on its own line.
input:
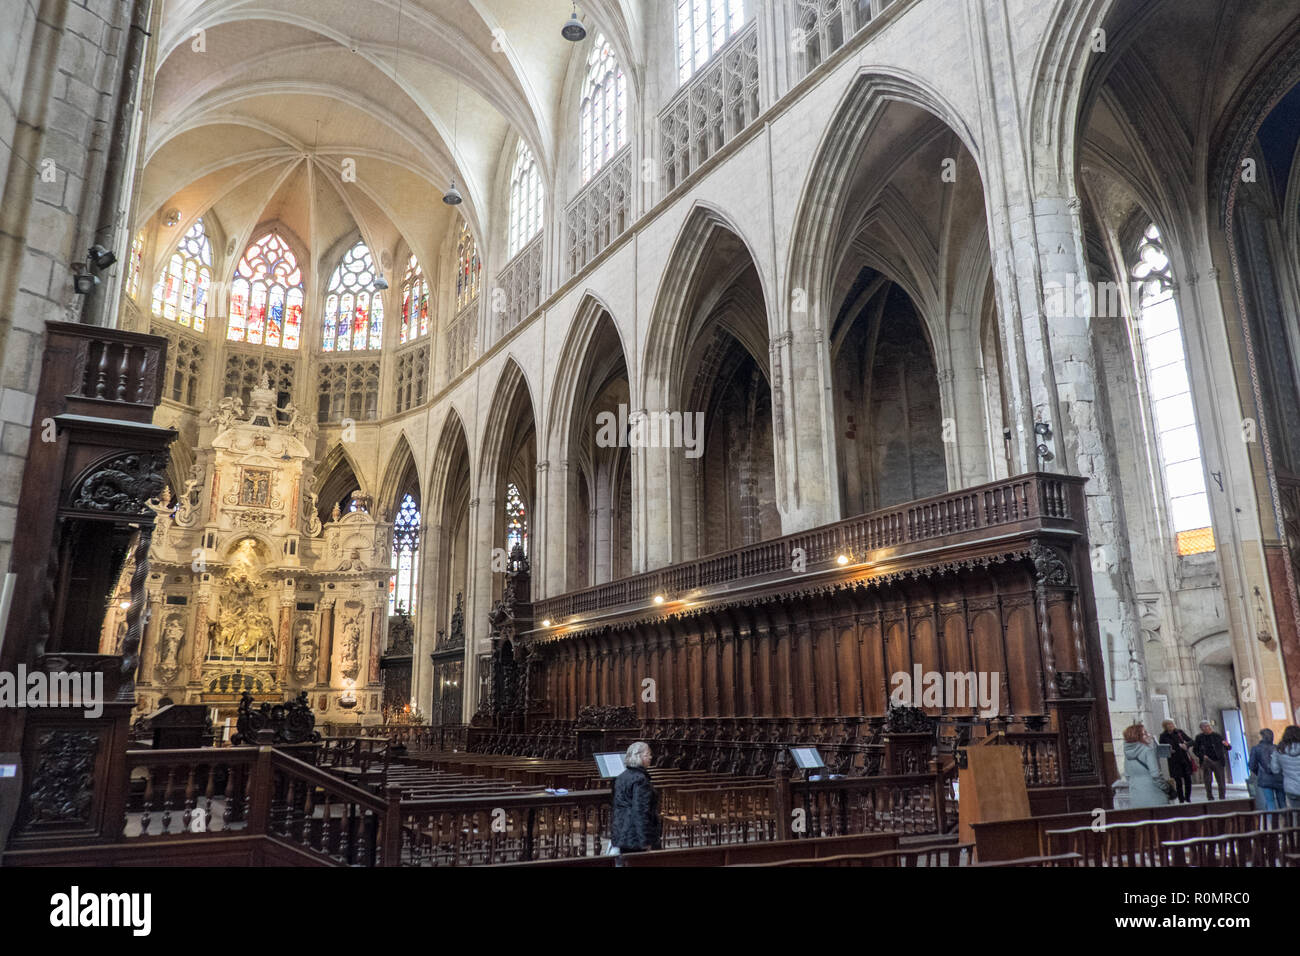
(573, 30)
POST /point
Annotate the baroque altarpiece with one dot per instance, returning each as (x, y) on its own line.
(253, 586)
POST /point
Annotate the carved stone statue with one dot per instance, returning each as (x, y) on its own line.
(169, 648)
(187, 510)
(244, 630)
(335, 514)
(350, 660)
(305, 650)
(229, 411)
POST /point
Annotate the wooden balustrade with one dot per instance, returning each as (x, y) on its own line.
(209, 793)
(1158, 842)
(910, 804)
(502, 828)
(957, 517)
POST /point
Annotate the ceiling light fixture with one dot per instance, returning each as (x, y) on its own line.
(452, 196)
(573, 29)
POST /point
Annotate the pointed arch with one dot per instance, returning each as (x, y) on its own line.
(337, 476)
(686, 281)
(398, 476)
(568, 375)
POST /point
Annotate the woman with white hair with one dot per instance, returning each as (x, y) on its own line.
(635, 826)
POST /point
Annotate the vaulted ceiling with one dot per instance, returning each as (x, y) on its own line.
(339, 116)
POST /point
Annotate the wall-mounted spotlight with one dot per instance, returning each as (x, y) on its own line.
(546, 622)
(83, 280)
(659, 599)
(842, 560)
(573, 30)
(99, 258)
(1043, 430)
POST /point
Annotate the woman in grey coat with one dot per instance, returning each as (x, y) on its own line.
(1286, 761)
(1142, 769)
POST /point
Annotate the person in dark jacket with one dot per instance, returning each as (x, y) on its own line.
(1212, 751)
(1181, 765)
(1268, 785)
(635, 826)
(1286, 761)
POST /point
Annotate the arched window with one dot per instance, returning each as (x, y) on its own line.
(525, 199)
(703, 26)
(604, 109)
(266, 296)
(181, 293)
(354, 309)
(1170, 393)
(135, 266)
(415, 303)
(516, 520)
(468, 268)
(403, 586)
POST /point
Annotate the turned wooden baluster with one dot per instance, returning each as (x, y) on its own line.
(188, 815)
(167, 800)
(141, 392)
(101, 382)
(309, 818)
(231, 811)
(208, 791)
(147, 815)
(123, 372)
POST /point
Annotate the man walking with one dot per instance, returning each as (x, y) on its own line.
(1212, 750)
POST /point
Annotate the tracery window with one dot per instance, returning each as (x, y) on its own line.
(135, 266)
(703, 26)
(354, 309)
(266, 295)
(1170, 393)
(525, 199)
(516, 520)
(181, 293)
(415, 303)
(469, 268)
(404, 585)
(604, 109)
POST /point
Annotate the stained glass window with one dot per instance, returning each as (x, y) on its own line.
(1170, 393)
(468, 268)
(403, 586)
(516, 520)
(135, 266)
(266, 295)
(354, 309)
(525, 199)
(703, 26)
(181, 292)
(415, 303)
(604, 109)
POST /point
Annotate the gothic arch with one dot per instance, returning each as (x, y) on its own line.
(396, 476)
(568, 375)
(337, 476)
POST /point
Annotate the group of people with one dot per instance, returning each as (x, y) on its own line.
(1274, 769)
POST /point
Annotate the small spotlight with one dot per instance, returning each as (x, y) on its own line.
(842, 560)
(83, 282)
(453, 196)
(659, 599)
(99, 258)
(124, 604)
(546, 622)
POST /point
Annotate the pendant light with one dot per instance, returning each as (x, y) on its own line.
(573, 30)
(452, 196)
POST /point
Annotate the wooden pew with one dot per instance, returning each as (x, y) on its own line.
(943, 854)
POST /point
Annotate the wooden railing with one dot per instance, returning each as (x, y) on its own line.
(954, 518)
(911, 804)
(201, 794)
(413, 737)
(1162, 842)
(503, 829)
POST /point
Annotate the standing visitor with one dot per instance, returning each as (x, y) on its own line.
(1181, 763)
(1286, 761)
(1146, 785)
(1212, 750)
(1268, 784)
(635, 826)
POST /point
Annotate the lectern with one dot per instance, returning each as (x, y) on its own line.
(992, 788)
